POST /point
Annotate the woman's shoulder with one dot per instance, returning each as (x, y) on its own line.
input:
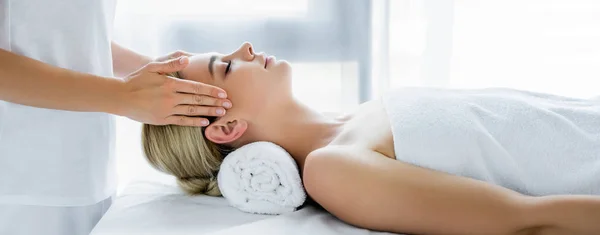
(367, 128)
(330, 152)
(335, 155)
(343, 150)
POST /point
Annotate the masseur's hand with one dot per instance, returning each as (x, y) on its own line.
(172, 55)
(154, 98)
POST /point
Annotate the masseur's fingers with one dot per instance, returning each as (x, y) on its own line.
(169, 66)
(198, 88)
(194, 110)
(202, 100)
(186, 121)
(153, 98)
(173, 55)
(185, 86)
(179, 53)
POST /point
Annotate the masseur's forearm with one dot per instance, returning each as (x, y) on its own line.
(126, 61)
(30, 82)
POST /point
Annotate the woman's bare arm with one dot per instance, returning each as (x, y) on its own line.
(369, 190)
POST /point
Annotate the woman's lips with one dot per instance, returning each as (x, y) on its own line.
(266, 61)
(269, 59)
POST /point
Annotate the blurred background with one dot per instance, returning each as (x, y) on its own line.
(345, 52)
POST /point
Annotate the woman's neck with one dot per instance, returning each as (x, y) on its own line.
(297, 128)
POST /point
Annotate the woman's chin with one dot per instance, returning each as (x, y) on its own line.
(285, 64)
(286, 67)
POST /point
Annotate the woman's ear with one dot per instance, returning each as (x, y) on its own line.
(223, 132)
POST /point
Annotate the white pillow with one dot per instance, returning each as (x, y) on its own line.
(261, 178)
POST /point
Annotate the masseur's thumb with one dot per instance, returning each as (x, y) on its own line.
(169, 66)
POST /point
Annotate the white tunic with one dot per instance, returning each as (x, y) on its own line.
(51, 157)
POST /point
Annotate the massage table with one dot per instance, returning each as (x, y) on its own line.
(155, 206)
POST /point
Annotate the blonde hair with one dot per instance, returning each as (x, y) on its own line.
(185, 153)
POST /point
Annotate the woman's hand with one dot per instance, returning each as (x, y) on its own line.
(153, 98)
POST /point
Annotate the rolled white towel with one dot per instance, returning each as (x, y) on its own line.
(261, 178)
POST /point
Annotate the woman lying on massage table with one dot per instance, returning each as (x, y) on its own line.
(418, 161)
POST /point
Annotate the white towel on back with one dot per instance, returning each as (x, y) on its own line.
(261, 178)
(533, 143)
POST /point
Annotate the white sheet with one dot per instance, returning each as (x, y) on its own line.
(158, 207)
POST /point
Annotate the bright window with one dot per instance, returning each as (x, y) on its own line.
(547, 46)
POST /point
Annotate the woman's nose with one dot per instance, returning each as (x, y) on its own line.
(246, 51)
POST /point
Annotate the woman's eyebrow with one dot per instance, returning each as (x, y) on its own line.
(211, 62)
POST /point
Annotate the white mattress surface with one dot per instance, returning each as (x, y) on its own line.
(158, 207)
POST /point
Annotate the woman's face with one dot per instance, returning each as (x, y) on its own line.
(251, 80)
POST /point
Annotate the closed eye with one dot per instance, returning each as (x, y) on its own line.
(228, 67)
